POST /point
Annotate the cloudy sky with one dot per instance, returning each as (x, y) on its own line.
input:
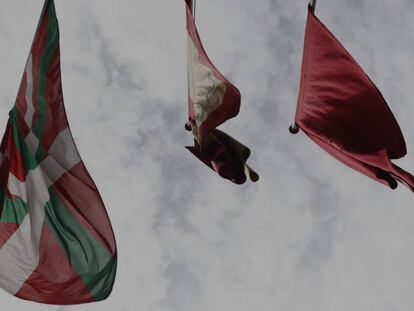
(311, 235)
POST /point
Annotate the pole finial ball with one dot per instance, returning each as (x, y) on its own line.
(187, 126)
(294, 129)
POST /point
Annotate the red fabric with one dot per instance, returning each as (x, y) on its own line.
(217, 150)
(7, 229)
(54, 281)
(223, 154)
(16, 162)
(76, 187)
(344, 113)
(38, 46)
(56, 119)
(189, 3)
(231, 101)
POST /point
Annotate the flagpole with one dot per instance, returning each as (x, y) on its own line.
(294, 128)
(312, 5)
(193, 8)
(192, 5)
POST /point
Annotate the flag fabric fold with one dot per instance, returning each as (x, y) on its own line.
(56, 242)
(342, 111)
(212, 100)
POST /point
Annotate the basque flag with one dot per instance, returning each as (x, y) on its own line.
(56, 241)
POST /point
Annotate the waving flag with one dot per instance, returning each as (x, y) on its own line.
(343, 112)
(56, 241)
(212, 101)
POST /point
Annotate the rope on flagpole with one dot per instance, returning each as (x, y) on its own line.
(294, 128)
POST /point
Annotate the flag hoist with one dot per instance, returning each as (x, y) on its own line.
(56, 241)
(343, 112)
(212, 100)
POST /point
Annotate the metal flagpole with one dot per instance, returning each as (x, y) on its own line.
(192, 5)
(294, 128)
(193, 8)
(312, 4)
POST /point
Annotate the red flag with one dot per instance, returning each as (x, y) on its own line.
(343, 112)
(212, 100)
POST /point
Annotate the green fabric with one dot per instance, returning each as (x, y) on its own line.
(30, 162)
(88, 257)
(14, 211)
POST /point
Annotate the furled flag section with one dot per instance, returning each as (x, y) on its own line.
(212, 101)
(56, 241)
(344, 113)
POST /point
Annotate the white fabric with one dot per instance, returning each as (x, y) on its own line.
(64, 151)
(32, 142)
(19, 256)
(206, 91)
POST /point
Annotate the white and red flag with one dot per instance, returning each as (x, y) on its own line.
(212, 100)
(56, 241)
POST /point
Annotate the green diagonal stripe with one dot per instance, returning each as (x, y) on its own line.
(14, 211)
(29, 161)
(88, 257)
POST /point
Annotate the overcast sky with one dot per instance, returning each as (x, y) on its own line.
(311, 235)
